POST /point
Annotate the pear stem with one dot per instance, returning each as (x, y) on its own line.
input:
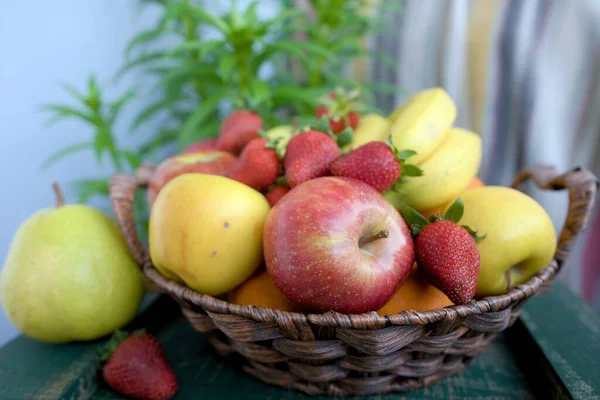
(380, 235)
(508, 280)
(60, 199)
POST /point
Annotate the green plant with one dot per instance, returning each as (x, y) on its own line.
(279, 67)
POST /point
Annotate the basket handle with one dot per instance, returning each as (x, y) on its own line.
(122, 192)
(582, 186)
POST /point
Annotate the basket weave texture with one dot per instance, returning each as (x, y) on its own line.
(339, 354)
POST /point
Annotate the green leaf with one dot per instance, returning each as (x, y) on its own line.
(200, 13)
(404, 154)
(102, 142)
(191, 126)
(286, 47)
(88, 188)
(455, 211)
(289, 94)
(345, 137)
(143, 59)
(67, 87)
(413, 218)
(410, 170)
(250, 16)
(260, 90)
(162, 138)
(62, 153)
(283, 16)
(203, 48)
(66, 111)
(474, 234)
(117, 105)
(226, 66)
(315, 49)
(143, 37)
(149, 112)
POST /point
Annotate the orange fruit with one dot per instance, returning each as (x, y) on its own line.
(475, 183)
(259, 290)
(415, 293)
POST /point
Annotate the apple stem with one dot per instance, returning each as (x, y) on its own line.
(380, 235)
(60, 199)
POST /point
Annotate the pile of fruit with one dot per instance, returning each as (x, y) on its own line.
(354, 213)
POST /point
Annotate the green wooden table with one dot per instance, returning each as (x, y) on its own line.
(552, 351)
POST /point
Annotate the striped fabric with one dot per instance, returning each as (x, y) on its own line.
(526, 76)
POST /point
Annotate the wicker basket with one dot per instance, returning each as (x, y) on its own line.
(339, 354)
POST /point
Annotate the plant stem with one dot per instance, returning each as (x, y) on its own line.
(368, 239)
(191, 34)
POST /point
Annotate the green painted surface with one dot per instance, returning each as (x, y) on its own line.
(566, 361)
(568, 333)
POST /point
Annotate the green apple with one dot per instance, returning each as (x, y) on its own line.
(69, 276)
(520, 241)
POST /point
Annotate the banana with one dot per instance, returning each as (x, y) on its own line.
(371, 127)
(446, 173)
(422, 122)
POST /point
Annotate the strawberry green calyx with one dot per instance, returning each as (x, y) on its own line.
(402, 155)
(453, 214)
(106, 350)
(345, 137)
(340, 102)
(322, 125)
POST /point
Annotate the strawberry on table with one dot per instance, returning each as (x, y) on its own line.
(446, 251)
(308, 156)
(341, 108)
(258, 165)
(375, 163)
(237, 130)
(136, 366)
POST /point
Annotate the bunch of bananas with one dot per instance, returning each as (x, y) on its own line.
(448, 156)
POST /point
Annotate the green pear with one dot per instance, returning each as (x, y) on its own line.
(69, 276)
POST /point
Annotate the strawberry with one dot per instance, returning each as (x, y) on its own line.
(375, 163)
(136, 366)
(206, 144)
(340, 107)
(258, 165)
(446, 251)
(237, 130)
(308, 156)
(276, 194)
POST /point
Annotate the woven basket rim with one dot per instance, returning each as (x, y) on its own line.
(368, 320)
(580, 183)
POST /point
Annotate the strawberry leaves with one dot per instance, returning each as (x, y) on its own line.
(454, 214)
(415, 220)
(402, 156)
(455, 211)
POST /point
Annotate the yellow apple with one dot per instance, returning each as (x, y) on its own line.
(520, 241)
(207, 231)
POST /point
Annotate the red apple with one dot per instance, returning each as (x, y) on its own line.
(206, 144)
(201, 162)
(335, 243)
